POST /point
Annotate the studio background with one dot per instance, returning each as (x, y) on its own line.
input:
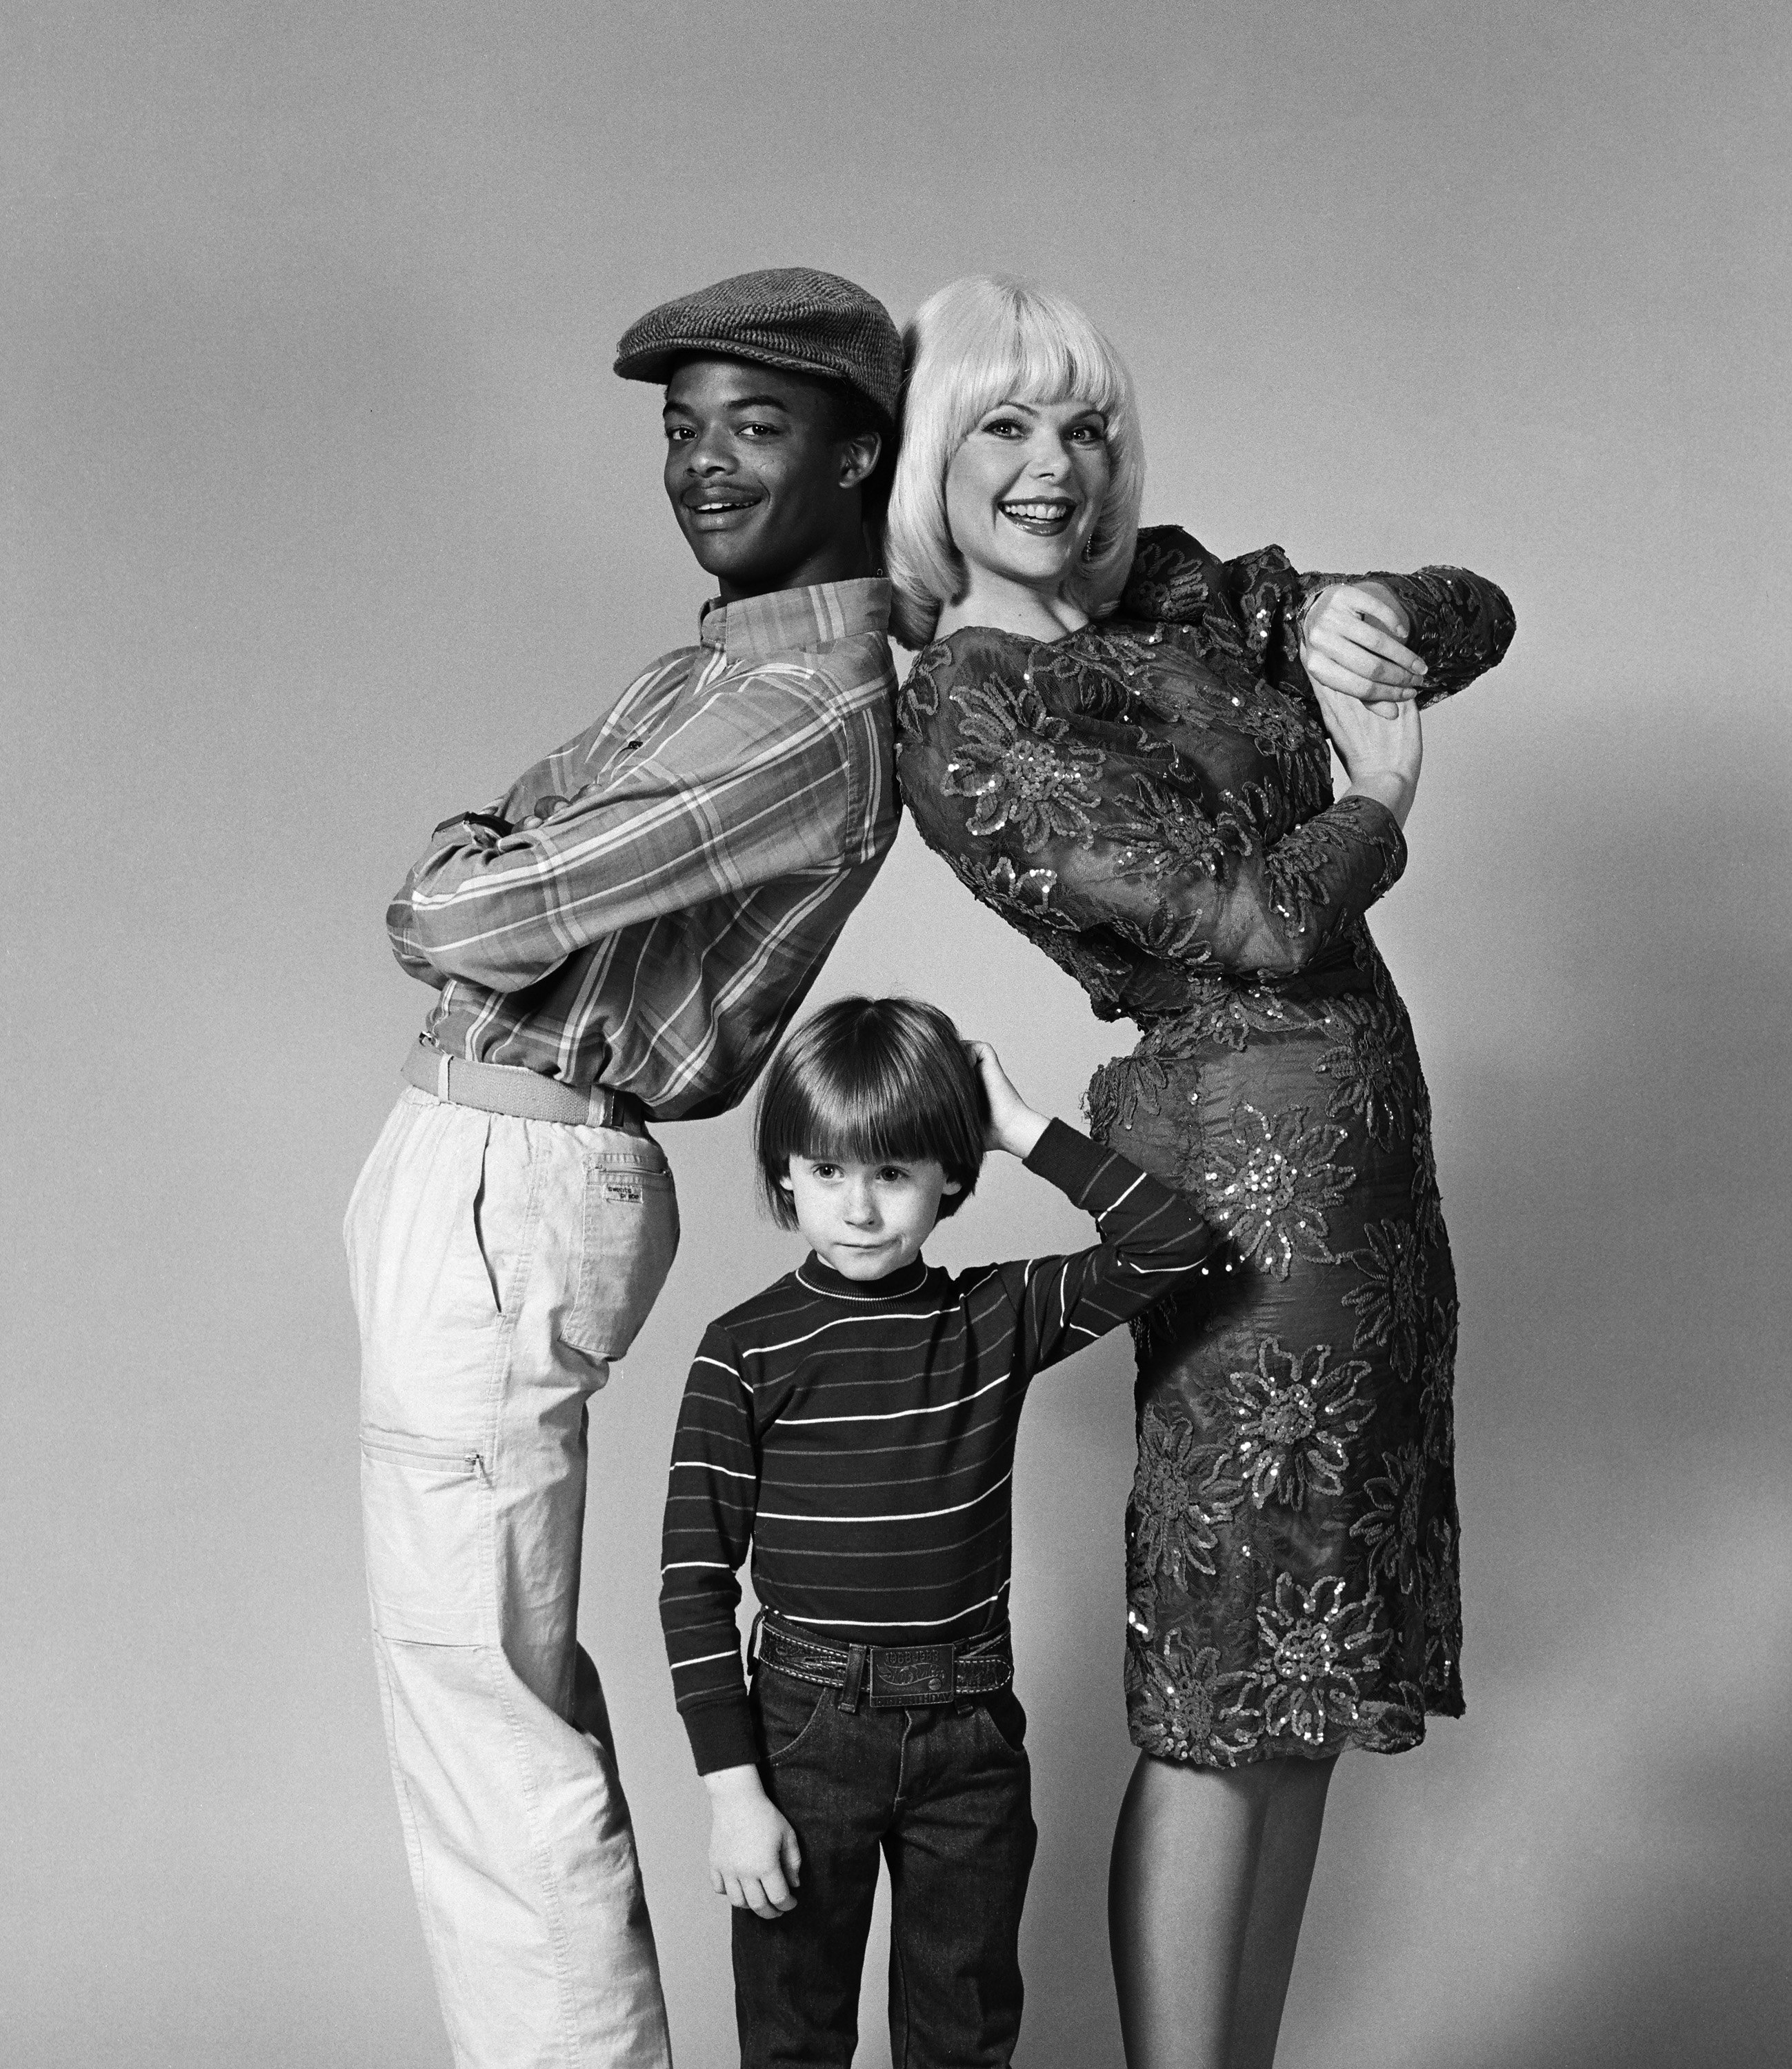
(324, 516)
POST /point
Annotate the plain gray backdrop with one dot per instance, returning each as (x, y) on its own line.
(323, 515)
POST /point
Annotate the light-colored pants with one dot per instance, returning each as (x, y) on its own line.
(499, 1266)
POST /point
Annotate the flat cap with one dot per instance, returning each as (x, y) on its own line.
(789, 316)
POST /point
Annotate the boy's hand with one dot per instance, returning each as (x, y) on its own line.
(1014, 1125)
(754, 1859)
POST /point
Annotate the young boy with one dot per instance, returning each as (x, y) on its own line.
(855, 1423)
(620, 938)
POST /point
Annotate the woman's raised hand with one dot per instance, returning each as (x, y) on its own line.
(1380, 747)
(1014, 1125)
(1351, 641)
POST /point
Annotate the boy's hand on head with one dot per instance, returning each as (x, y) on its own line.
(754, 1859)
(1014, 1125)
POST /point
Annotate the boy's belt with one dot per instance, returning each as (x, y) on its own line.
(890, 1677)
(509, 1088)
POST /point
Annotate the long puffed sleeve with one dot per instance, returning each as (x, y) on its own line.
(1109, 844)
(1459, 622)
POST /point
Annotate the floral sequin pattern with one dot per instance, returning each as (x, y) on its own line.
(1183, 1493)
(1182, 1700)
(1294, 1414)
(1272, 1187)
(1022, 768)
(1388, 1527)
(1441, 1583)
(1320, 1649)
(918, 695)
(1024, 897)
(1147, 800)
(1389, 1303)
(1437, 1384)
(1169, 834)
(1369, 1068)
(1303, 868)
(1427, 1208)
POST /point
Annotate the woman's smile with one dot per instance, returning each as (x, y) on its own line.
(1043, 517)
(1024, 493)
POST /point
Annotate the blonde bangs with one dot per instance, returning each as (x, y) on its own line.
(1039, 350)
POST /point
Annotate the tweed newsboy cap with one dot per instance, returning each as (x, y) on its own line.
(789, 316)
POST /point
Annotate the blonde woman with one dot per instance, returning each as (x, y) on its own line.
(1120, 744)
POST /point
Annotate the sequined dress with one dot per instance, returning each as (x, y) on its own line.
(1149, 800)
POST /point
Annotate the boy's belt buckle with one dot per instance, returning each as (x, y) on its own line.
(904, 1676)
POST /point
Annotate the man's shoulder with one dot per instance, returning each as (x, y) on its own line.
(841, 676)
(677, 664)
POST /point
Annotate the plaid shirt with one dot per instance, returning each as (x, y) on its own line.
(647, 907)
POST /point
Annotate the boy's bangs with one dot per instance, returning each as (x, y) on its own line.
(862, 1125)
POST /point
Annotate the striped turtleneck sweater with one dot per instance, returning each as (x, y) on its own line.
(859, 1437)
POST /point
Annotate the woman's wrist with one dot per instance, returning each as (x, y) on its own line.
(1388, 788)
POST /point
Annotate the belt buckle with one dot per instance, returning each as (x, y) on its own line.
(913, 1676)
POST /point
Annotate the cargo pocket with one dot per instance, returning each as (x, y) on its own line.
(426, 1505)
(628, 1240)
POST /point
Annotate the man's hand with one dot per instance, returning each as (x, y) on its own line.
(1014, 1125)
(754, 1859)
(1351, 636)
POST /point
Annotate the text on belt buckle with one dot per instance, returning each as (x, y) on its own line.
(905, 1675)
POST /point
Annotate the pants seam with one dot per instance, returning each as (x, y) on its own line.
(498, 1661)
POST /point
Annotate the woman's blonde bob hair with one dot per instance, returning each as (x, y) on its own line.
(979, 342)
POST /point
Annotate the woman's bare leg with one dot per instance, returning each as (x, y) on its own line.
(1209, 1881)
(1285, 1858)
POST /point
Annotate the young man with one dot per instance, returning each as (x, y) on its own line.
(622, 937)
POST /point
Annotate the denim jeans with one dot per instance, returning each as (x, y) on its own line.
(944, 1796)
(499, 1267)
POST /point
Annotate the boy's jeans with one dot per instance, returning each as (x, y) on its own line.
(944, 1794)
(499, 1266)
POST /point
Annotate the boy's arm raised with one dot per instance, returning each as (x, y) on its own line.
(1152, 1241)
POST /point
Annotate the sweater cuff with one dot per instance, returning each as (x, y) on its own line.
(721, 1734)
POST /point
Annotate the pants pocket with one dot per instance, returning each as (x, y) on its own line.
(785, 1713)
(628, 1240)
(426, 1511)
(1007, 1720)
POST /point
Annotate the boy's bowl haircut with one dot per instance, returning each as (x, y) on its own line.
(872, 1080)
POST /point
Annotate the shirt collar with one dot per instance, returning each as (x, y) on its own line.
(795, 621)
(819, 1278)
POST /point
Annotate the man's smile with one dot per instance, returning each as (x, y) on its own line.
(713, 509)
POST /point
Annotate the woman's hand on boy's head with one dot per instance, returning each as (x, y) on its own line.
(1014, 1125)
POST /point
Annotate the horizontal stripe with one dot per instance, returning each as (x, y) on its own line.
(865, 1623)
(896, 1515)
